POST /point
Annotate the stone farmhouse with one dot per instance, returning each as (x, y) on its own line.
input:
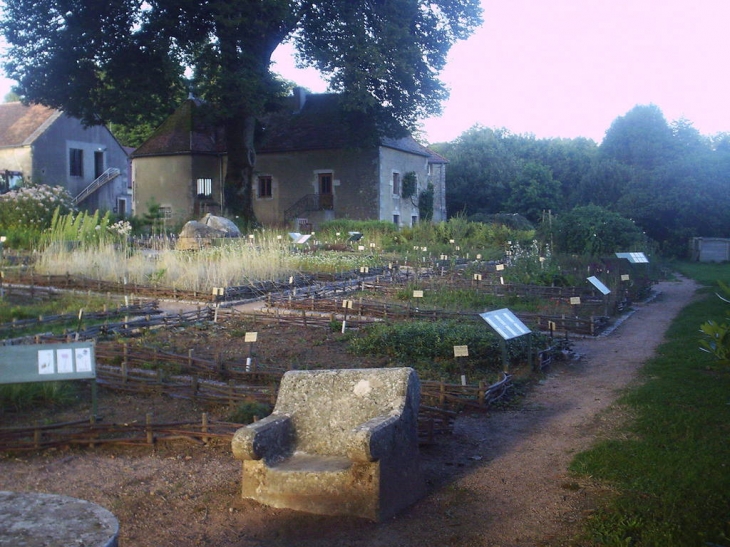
(312, 165)
(46, 146)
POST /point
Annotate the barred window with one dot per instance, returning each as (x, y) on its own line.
(205, 187)
(265, 186)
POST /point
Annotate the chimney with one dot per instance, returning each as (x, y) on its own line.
(300, 97)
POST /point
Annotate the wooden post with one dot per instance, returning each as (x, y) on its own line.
(482, 391)
(194, 386)
(231, 393)
(204, 427)
(148, 428)
(125, 356)
(442, 394)
(92, 421)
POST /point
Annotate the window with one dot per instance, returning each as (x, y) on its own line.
(325, 183)
(205, 187)
(76, 162)
(166, 211)
(265, 187)
(396, 220)
(396, 184)
(414, 220)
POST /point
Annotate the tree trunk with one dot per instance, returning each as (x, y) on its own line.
(238, 185)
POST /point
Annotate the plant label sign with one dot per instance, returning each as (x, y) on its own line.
(461, 351)
(575, 300)
(250, 337)
(417, 294)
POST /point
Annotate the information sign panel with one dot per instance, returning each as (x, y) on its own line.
(298, 238)
(47, 362)
(634, 258)
(598, 284)
(505, 323)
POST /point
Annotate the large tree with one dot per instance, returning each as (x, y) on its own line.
(109, 61)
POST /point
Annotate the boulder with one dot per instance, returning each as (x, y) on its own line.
(223, 224)
(195, 235)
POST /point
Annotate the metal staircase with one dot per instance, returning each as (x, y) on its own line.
(107, 176)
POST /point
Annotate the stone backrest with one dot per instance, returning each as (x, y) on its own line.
(326, 405)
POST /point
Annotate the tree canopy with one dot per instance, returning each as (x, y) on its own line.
(670, 180)
(116, 60)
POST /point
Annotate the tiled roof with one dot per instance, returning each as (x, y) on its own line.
(322, 125)
(319, 125)
(184, 132)
(435, 157)
(21, 125)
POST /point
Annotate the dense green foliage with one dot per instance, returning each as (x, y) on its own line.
(86, 230)
(594, 231)
(488, 239)
(668, 179)
(716, 339)
(114, 61)
(428, 346)
(669, 468)
(425, 203)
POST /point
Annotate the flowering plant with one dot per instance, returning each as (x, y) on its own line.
(32, 207)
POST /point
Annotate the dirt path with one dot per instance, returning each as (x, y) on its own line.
(500, 480)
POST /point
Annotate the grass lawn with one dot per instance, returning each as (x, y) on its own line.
(671, 467)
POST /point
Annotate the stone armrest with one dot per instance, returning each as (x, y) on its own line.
(373, 439)
(268, 439)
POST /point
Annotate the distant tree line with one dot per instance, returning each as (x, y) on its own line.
(673, 182)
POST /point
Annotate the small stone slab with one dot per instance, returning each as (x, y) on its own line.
(31, 519)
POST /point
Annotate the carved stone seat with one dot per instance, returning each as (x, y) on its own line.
(339, 442)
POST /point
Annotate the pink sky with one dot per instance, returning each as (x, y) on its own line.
(568, 68)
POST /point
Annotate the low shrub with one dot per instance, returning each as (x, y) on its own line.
(18, 397)
(248, 411)
(429, 347)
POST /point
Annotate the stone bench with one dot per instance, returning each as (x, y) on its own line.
(339, 442)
